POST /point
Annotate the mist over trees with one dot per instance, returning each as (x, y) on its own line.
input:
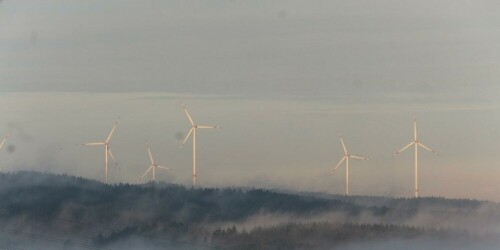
(83, 213)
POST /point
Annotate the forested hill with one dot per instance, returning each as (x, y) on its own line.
(45, 196)
(90, 212)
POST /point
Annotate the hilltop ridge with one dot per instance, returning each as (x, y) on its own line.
(98, 214)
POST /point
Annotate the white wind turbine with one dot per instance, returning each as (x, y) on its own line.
(153, 166)
(416, 143)
(4, 140)
(106, 148)
(346, 158)
(193, 129)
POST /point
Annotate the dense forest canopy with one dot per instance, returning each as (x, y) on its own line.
(73, 209)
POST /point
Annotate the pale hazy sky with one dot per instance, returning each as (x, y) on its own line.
(281, 77)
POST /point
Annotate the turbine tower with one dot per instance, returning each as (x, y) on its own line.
(4, 139)
(106, 148)
(193, 129)
(346, 158)
(153, 166)
(416, 143)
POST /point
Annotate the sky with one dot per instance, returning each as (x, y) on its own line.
(280, 77)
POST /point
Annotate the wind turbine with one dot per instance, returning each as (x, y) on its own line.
(193, 129)
(4, 139)
(346, 158)
(153, 166)
(416, 143)
(106, 148)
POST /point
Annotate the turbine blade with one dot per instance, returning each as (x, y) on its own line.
(340, 162)
(112, 157)
(427, 148)
(206, 126)
(343, 144)
(112, 131)
(415, 127)
(93, 144)
(187, 114)
(4, 139)
(407, 146)
(150, 156)
(166, 168)
(187, 136)
(358, 157)
(146, 172)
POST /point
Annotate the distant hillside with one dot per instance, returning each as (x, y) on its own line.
(81, 213)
